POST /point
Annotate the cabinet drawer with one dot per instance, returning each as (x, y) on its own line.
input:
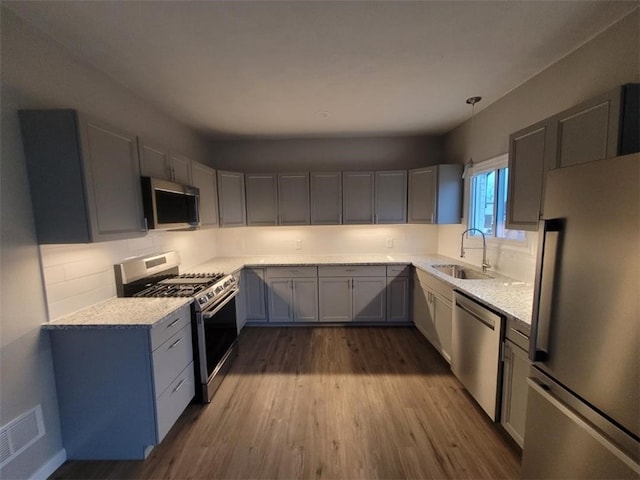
(161, 332)
(352, 271)
(174, 400)
(398, 270)
(517, 334)
(427, 280)
(170, 359)
(291, 272)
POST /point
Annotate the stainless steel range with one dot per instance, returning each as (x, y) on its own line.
(213, 310)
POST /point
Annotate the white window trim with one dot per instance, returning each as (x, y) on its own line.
(528, 246)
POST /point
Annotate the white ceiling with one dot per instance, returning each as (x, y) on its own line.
(321, 68)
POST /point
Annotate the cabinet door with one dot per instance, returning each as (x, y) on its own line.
(335, 299)
(391, 197)
(357, 197)
(443, 314)
(398, 299)
(530, 157)
(370, 299)
(262, 199)
(180, 169)
(514, 391)
(293, 199)
(231, 199)
(305, 300)
(154, 160)
(426, 321)
(253, 287)
(326, 198)
(113, 181)
(280, 300)
(422, 195)
(589, 131)
(204, 178)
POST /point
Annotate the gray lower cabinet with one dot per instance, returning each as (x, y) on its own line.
(352, 293)
(292, 294)
(262, 198)
(254, 293)
(326, 198)
(204, 178)
(357, 197)
(121, 389)
(398, 277)
(231, 199)
(515, 371)
(84, 178)
(391, 196)
(293, 199)
(435, 194)
(433, 311)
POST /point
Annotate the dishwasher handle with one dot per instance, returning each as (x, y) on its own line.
(489, 322)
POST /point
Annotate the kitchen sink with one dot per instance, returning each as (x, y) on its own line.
(463, 273)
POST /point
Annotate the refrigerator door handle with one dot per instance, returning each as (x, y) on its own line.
(549, 239)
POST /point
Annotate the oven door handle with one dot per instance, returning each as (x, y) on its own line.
(210, 313)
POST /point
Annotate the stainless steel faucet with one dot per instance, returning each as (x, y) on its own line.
(485, 264)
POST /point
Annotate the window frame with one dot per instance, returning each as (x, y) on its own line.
(527, 245)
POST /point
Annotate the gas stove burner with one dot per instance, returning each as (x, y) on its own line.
(214, 276)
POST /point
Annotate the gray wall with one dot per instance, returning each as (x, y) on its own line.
(609, 60)
(36, 73)
(327, 154)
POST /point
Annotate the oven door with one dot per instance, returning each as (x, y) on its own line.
(217, 334)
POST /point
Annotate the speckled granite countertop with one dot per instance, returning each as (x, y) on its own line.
(120, 313)
(503, 294)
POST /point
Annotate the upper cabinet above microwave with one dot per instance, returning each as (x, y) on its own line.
(84, 178)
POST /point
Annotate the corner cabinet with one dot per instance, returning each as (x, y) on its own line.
(231, 199)
(120, 390)
(84, 178)
(433, 311)
(293, 294)
(435, 194)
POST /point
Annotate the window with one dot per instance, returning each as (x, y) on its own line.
(488, 209)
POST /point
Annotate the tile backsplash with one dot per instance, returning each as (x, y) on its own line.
(79, 275)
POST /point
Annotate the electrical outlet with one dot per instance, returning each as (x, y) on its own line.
(298, 244)
(389, 242)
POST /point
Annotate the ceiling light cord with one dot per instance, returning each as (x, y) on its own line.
(469, 165)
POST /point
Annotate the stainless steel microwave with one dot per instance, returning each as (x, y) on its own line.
(168, 205)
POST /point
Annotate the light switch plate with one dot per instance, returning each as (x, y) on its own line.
(389, 242)
(298, 244)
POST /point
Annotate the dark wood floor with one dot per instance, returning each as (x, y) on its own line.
(327, 403)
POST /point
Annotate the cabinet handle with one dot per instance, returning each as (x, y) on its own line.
(145, 225)
(350, 270)
(175, 343)
(173, 324)
(179, 386)
(431, 217)
(340, 219)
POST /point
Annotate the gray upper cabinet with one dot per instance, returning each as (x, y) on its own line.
(204, 178)
(531, 156)
(231, 199)
(326, 198)
(262, 199)
(603, 127)
(435, 194)
(588, 131)
(391, 196)
(358, 194)
(154, 160)
(180, 167)
(293, 199)
(84, 178)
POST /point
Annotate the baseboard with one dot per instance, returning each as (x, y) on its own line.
(46, 470)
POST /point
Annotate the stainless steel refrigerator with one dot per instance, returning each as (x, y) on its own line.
(583, 409)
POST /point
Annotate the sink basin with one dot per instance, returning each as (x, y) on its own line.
(457, 271)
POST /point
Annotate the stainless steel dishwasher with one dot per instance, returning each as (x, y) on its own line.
(475, 351)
